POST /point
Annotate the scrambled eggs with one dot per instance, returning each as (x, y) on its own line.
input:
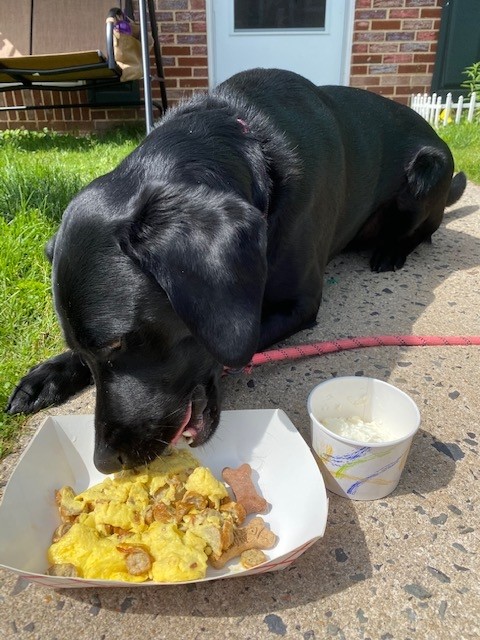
(160, 522)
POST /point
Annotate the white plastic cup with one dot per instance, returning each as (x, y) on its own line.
(352, 468)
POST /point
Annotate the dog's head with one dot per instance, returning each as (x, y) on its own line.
(155, 294)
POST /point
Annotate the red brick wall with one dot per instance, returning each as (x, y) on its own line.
(394, 45)
(183, 37)
(67, 119)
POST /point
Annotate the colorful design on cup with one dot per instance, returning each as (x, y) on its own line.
(355, 486)
(348, 461)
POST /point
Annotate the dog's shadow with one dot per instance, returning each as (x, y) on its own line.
(356, 302)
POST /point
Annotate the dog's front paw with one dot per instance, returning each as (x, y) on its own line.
(50, 383)
(387, 259)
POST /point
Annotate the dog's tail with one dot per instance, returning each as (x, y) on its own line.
(457, 187)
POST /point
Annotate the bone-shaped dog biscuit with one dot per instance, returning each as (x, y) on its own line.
(240, 481)
(254, 536)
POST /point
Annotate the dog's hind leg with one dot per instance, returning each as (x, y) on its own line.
(284, 319)
(417, 211)
(402, 235)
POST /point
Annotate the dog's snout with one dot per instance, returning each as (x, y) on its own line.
(108, 460)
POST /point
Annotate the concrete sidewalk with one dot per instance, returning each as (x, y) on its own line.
(405, 567)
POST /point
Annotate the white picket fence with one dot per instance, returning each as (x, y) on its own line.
(439, 113)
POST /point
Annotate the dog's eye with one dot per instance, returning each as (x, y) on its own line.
(108, 349)
(115, 345)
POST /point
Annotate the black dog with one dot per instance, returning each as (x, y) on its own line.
(210, 241)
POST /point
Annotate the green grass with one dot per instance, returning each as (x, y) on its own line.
(39, 174)
(464, 141)
(28, 331)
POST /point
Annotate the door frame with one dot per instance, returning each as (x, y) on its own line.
(346, 53)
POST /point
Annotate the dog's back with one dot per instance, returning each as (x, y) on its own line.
(383, 170)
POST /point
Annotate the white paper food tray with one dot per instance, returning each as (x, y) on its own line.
(61, 453)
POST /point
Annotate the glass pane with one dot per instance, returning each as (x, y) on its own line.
(279, 14)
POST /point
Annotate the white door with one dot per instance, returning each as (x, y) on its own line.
(310, 37)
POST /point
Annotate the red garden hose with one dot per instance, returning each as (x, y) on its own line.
(344, 344)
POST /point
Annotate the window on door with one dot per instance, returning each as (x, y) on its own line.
(279, 14)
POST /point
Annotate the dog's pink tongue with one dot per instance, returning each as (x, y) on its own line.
(186, 420)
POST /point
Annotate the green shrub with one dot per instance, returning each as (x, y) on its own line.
(472, 83)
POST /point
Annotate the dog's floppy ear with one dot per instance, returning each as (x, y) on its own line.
(207, 250)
